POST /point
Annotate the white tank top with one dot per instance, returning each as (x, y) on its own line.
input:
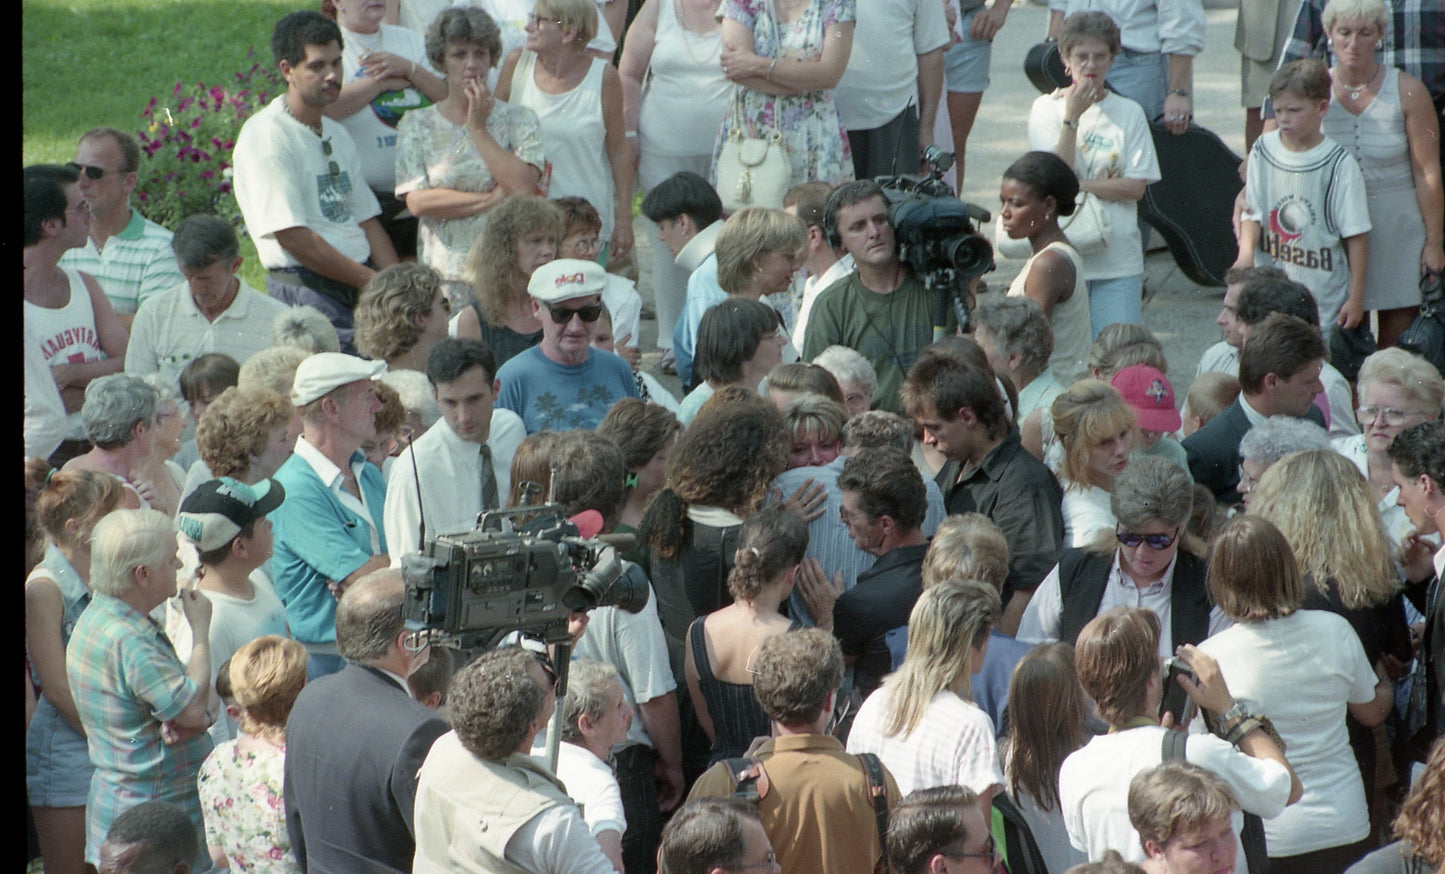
(574, 135)
(1070, 319)
(686, 95)
(67, 335)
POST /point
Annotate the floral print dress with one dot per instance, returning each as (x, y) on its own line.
(816, 141)
(242, 803)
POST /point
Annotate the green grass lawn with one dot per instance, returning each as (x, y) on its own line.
(88, 63)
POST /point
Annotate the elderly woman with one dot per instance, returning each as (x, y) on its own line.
(1303, 669)
(1326, 511)
(646, 434)
(855, 374)
(922, 721)
(160, 471)
(739, 341)
(1385, 118)
(1017, 340)
(57, 764)
(578, 101)
(757, 251)
(1396, 390)
(595, 718)
(785, 57)
(1271, 440)
(1105, 139)
(385, 74)
(522, 234)
(1149, 560)
(246, 434)
(722, 644)
(305, 327)
(120, 418)
(1095, 428)
(241, 780)
(401, 315)
(457, 160)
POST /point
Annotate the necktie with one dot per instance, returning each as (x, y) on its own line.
(489, 480)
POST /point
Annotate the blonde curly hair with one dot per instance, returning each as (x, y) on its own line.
(493, 257)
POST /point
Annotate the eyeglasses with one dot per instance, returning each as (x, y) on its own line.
(332, 167)
(590, 244)
(536, 20)
(92, 172)
(563, 315)
(990, 852)
(445, 303)
(847, 518)
(1392, 416)
(1155, 541)
(1247, 481)
(768, 864)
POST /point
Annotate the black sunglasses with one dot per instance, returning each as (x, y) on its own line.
(331, 166)
(91, 171)
(1155, 541)
(563, 315)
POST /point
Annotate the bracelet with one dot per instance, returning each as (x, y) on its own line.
(1182, 92)
(631, 135)
(770, 69)
(1071, 125)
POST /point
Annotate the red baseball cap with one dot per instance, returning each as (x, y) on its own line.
(1148, 391)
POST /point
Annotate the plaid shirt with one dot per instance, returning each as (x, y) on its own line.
(126, 681)
(1415, 43)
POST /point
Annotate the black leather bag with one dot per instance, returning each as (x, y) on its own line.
(1349, 347)
(1426, 335)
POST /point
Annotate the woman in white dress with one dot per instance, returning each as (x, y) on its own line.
(1384, 118)
(578, 101)
(1037, 190)
(1095, 428)
(674, 96)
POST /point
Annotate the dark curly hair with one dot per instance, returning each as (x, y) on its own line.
(493, 700)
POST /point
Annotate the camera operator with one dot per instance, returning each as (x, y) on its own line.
(482, 803)
(882, 310)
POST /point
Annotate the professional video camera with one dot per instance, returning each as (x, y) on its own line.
(476, 587)
(937, 234)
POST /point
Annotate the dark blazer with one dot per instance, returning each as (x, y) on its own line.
(1214, 450)
(354, 744)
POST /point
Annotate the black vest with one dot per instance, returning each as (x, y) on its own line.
(1083, 576)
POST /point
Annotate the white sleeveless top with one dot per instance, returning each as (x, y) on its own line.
(1376, 137)
(574, 135)
(1070, 321)
(686, 95)
(66, 335)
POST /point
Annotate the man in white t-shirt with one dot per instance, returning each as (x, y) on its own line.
(300, 184)
(888, 96)
(212, 311)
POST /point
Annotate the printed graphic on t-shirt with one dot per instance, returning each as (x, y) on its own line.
(1290, 218)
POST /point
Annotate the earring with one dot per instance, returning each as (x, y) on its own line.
(631, 480)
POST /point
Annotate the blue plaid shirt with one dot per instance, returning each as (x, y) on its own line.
(126, 681)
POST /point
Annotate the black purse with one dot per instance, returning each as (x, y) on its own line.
(1426, 335)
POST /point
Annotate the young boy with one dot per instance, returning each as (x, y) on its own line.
(225, 520)
(1306, 199)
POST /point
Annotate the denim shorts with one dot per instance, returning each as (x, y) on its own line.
(57, 760)
(965, 63)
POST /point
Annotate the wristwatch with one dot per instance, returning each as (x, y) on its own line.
(1236, 711)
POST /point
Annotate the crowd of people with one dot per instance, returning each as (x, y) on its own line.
(918, 599)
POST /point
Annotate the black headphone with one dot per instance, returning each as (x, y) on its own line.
(852, 191)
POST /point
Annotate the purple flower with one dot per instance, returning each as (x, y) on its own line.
(143, 196)
(207, 174)
(216, 141)
(176, 91)
(224, 188)
(195, 123)
(218, 93)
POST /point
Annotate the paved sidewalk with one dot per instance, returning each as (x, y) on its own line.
(1179, 312)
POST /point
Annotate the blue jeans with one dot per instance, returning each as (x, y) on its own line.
(1115, 300)
(1143, 78)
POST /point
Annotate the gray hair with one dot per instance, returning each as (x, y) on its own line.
(273, 369)
(114, 405)
(589, 692)
(876, 429)
(1414, 376)
(122, 542)
(1152, 488)
(167, 391)
(416, 394)
(1018, 326)
(305, 328)
(204, 239)
(1278, 436)
(1373, 11)
(847, 365)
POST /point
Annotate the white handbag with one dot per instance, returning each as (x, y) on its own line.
(1088, 230)
(753, 170)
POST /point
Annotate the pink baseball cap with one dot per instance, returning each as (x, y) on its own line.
(1148, 391)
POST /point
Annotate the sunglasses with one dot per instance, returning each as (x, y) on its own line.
(1155, 541)
(332, 167)
(91, 171)
(563, 315)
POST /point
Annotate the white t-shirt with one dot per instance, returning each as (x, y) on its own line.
(953, 743)
(592, 785)
(373, 126)
(1094, 786)
(1306, 203)
(284, 180)
(1300, 671)
(1086, 510)
(882, 74)
(1113, 142)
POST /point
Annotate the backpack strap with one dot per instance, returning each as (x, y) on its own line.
(878, 791)
(750, 781)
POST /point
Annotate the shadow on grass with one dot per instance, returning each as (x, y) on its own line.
(88, 63)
